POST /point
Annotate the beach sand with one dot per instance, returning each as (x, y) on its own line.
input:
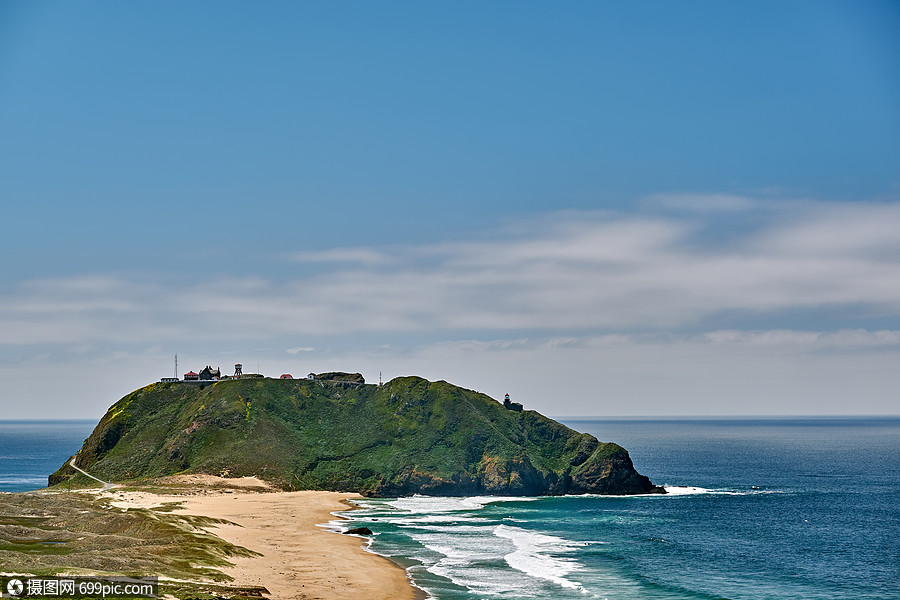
(299, 559)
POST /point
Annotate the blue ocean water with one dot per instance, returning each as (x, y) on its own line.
(31, 450)
(758, 509)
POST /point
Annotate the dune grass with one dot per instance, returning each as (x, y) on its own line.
(74, 533)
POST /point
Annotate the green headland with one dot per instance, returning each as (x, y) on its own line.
(407, 436)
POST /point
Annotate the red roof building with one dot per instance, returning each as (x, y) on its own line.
(286, 376)
(191, 376)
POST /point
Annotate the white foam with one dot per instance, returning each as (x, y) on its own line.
(677, 490)
(335, 525)
(477, 580)
(21, 479)
(439, 504)
(686, 490)
(535, 555)
(466, 558)
(457, 543)
(436, 519)
(455, 529)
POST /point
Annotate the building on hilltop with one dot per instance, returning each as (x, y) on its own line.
(338, 376)
(208, 374)
(286, 376)
(191, 376)
(516, 406)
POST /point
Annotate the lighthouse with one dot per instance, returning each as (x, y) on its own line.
(511, 405)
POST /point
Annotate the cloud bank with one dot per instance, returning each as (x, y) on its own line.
(693, 305)
(576, 272)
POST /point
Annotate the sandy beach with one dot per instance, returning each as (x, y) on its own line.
(300, 560)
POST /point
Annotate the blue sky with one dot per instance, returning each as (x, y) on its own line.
(664, 208)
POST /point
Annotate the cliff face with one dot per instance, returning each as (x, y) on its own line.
(410, 436)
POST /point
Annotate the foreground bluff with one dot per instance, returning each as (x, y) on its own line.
(409, 436)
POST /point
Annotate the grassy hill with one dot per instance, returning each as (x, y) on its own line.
(407, 436)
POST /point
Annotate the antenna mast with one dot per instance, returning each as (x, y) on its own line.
(176, 366)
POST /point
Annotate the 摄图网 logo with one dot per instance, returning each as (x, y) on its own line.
(14, 587)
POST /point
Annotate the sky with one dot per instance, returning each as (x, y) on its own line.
(602, 209)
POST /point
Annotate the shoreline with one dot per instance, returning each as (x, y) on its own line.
(301, 558)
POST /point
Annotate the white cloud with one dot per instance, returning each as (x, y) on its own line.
(787, 338)
(583, 272)
(338, 255)
(572, 316)
(298, 350)
(836, 231)
(713, 373)
(724, 372)
(703, 202)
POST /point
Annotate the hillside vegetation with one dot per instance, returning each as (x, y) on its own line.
(405, 437)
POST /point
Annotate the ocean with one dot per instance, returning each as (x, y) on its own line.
(757, 509)
(32, 450)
